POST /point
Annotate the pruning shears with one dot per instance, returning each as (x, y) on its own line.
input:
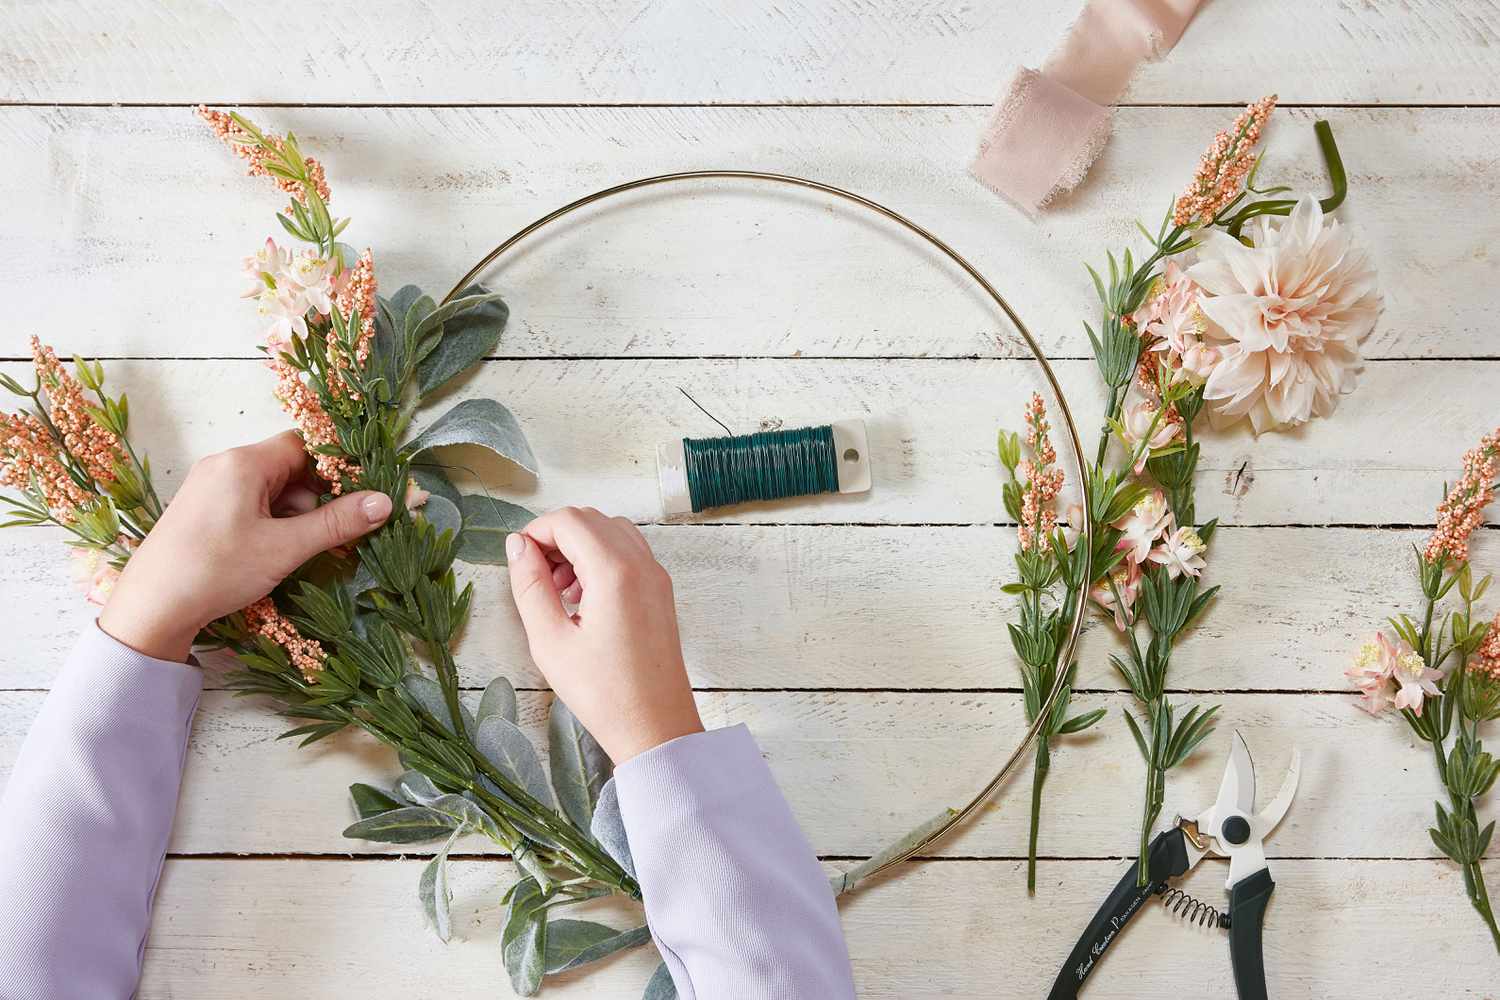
(1229, 828)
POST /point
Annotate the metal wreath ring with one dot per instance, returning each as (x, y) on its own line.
(932, 831)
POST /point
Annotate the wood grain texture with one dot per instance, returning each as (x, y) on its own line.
(239, 930)
(612, 51)
(790, 606)
(705, 270)
(860, 769)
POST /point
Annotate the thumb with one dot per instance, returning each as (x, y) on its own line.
(340, 522)
(531, 585)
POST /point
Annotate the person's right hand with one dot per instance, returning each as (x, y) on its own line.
(617, 664)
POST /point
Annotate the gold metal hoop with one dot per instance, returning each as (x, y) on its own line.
(938, 831)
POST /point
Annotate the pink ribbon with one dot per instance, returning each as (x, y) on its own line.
(1051, 124)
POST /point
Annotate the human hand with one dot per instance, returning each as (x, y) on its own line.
(617, 664)
(243, 520)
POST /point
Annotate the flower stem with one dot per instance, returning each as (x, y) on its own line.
(1038, 778)
(1480, 897)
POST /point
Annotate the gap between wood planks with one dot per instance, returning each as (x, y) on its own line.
(646, 105)
(836, 858)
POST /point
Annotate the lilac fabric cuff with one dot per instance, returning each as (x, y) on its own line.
(87, 815)
(737, 901)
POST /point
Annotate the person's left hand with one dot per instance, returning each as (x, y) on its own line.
(243, 520)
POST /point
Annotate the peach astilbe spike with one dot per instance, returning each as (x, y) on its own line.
(1041, 480)
(1462, 509)
(29, 458)
(95, 448)
(1487, 658)
(259, 150)
(356, 294)
(302, 404)
(307, 655)
(1224, 166)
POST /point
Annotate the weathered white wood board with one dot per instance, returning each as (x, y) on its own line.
(721, 269)
(830, 606)
(594, 425)
(861, 639)
(613, 51)
(225, 930)
(860, 769)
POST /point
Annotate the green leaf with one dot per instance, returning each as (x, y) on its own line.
(608, 828)
(487, 521)
(481, 422)
(432, 888)
(408, 825)
(1079, 723)
(504, 745)
(523, 942)
(1135, 730)
(467, 337)
(428, 693)
(661, 986)
(499, 698)
(418, 789)
(579, 766)
(442, 514)
(574, 943)
(371, 801)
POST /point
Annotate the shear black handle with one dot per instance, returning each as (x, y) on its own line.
(1168, 859)
(1247, 911)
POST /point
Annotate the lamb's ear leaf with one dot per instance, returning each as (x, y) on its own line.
(504, 745)
(661, 986)
(608, 828)
(499, 698)
(573, 943)
(481, 422)
(580, 767)
(523, 942)
(442, 514)
(470, 332)
(433, 890)
(408, 825)
(371, 801)
(487, 520)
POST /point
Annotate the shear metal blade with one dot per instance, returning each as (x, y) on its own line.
(1237, 790)
(1267, 818)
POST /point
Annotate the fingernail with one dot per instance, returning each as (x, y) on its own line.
(377, 507)
(515, 545)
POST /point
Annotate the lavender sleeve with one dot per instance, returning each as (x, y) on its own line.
(736, 900)
(84, 822)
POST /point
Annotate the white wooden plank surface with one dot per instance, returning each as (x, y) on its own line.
(788, 606)
(860, 769)
(731, 270)
(225, 930)
(594, 426)
(117, 217)
(613, 51)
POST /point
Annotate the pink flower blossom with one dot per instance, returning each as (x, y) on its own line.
(93, 574)
(415, 495)
(94, 446)
(1224, 167)
(1072, 527)
(1126, 580)
(1287, 315)
(1415, 679)
(307, 655)
(1181, 552)
(1041, 480)
(1380, 665)
(1140, 528)
(1142, 426)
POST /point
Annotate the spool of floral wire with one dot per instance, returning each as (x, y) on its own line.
(696, 474)
(699, 474)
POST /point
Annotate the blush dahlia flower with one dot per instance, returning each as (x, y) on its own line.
(1286, 316)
